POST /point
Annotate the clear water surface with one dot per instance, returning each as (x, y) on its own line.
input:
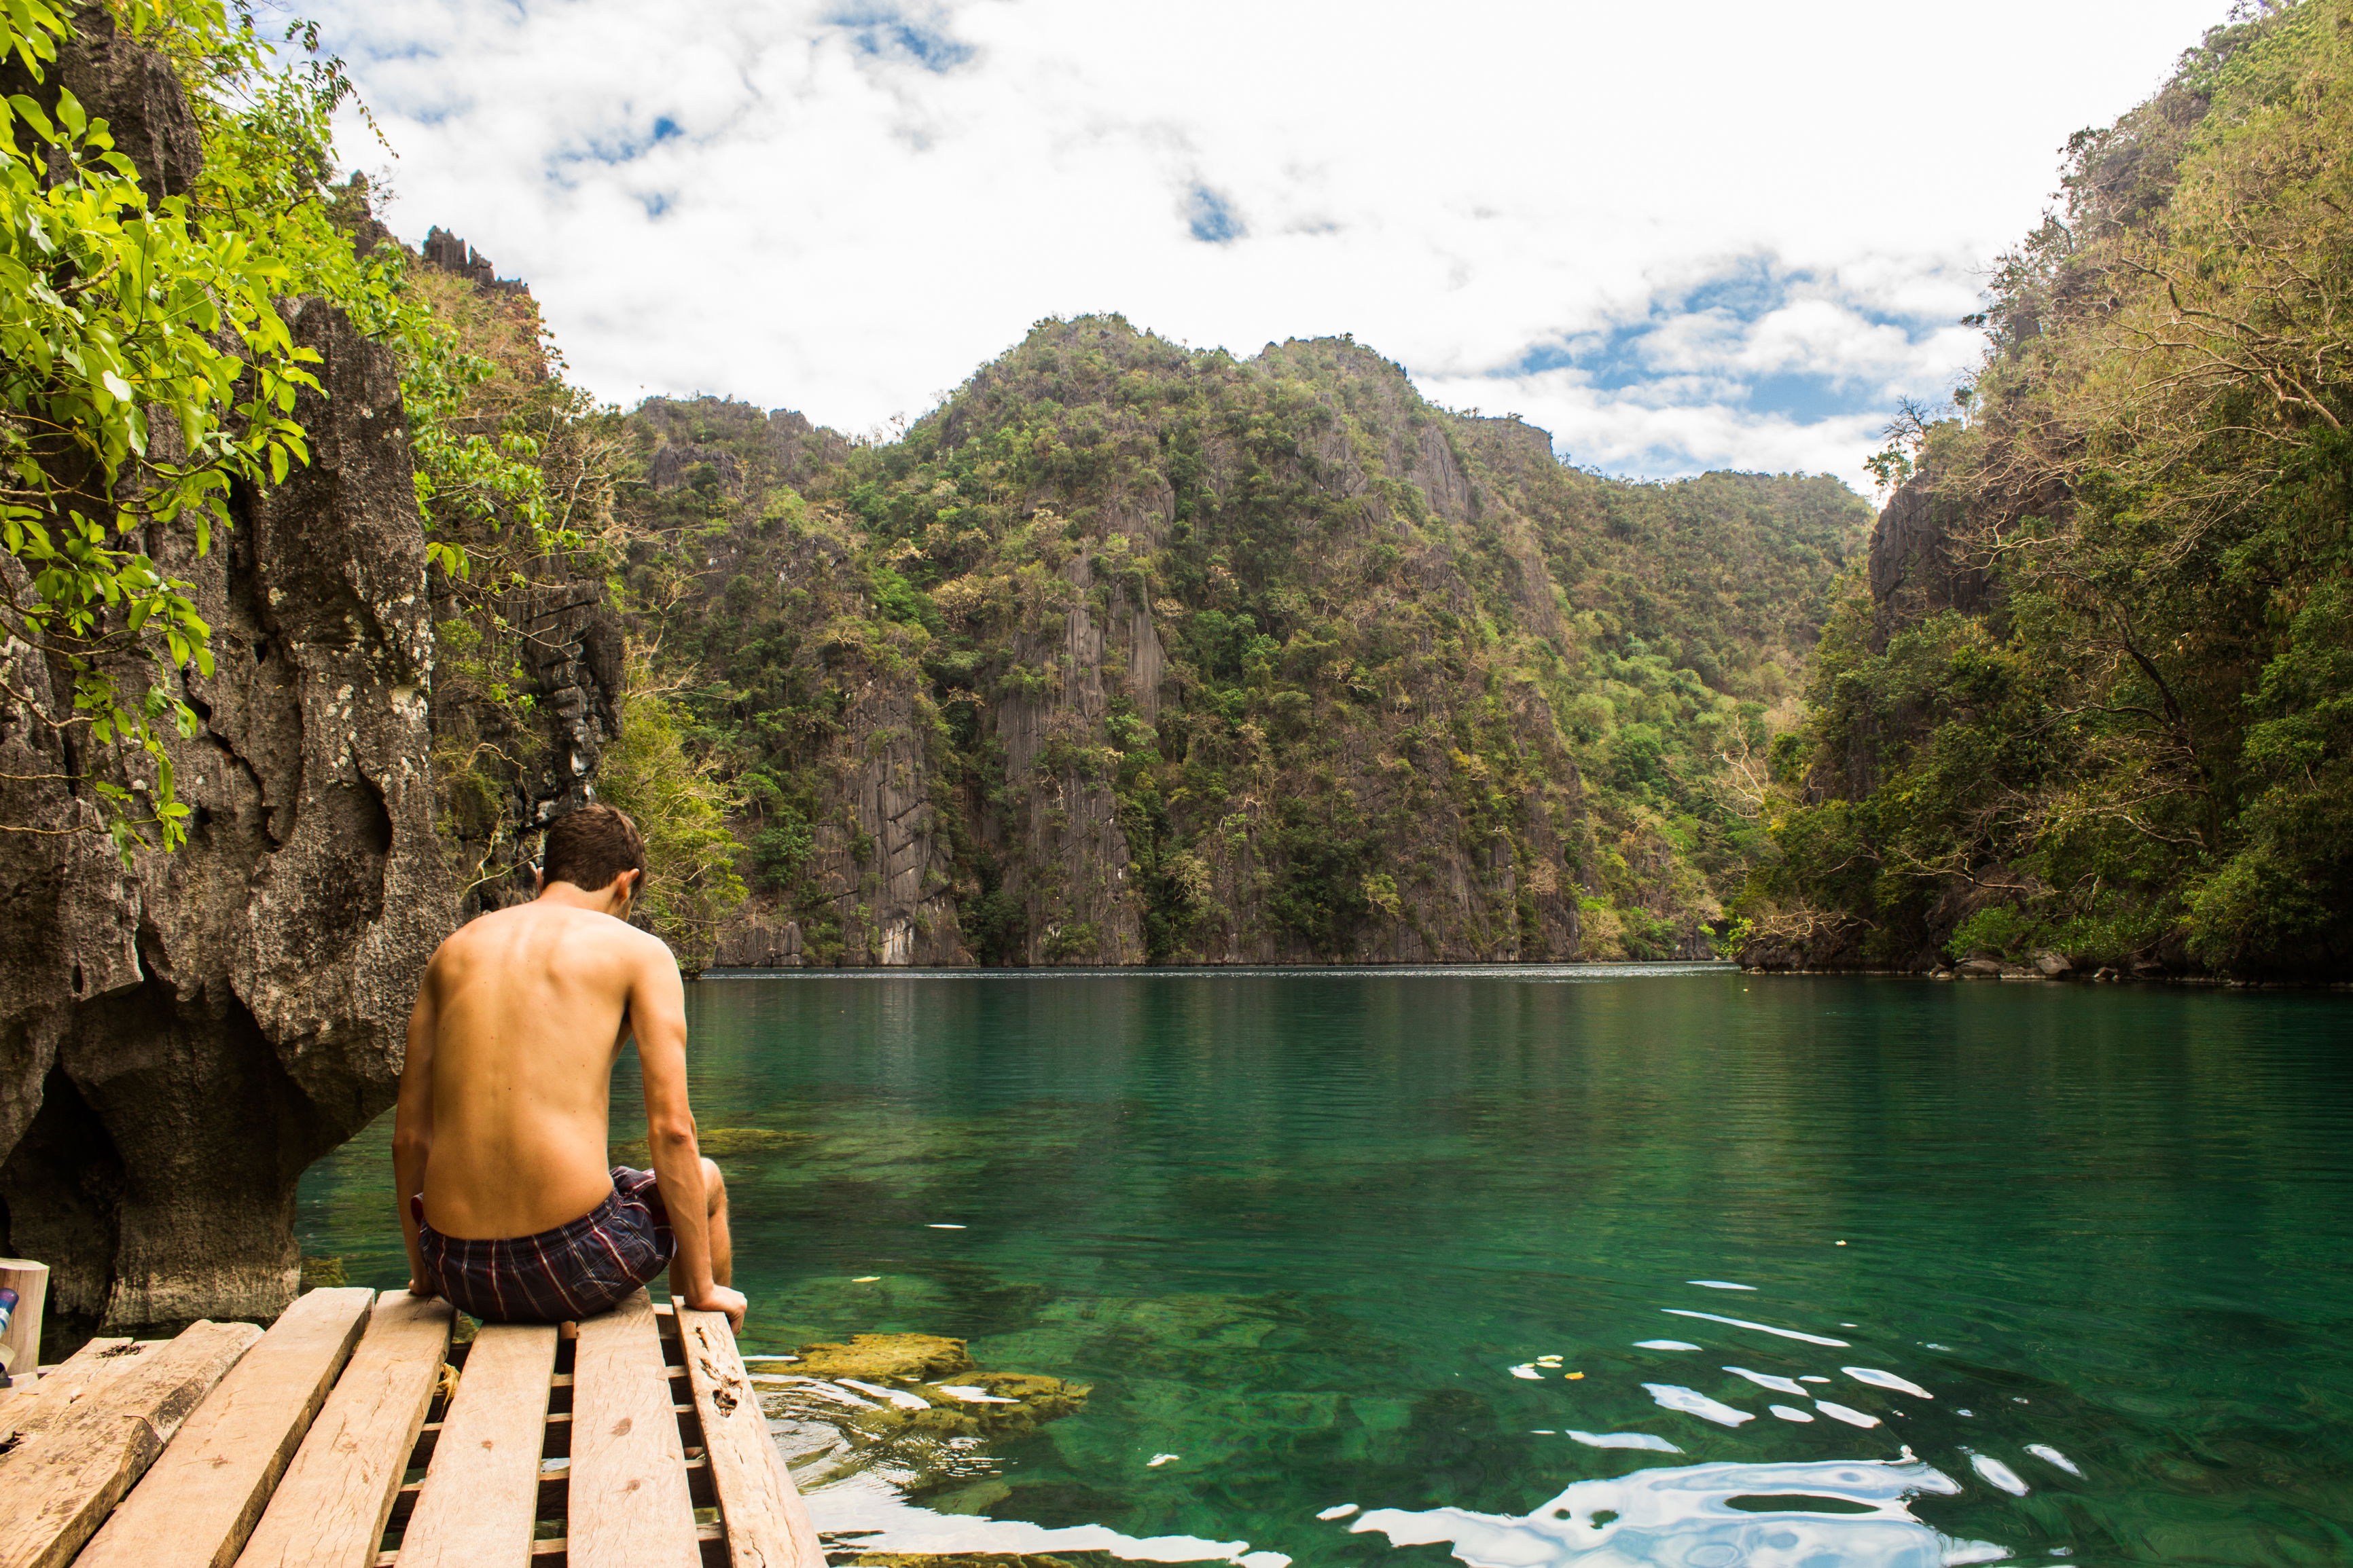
(1555, 1267)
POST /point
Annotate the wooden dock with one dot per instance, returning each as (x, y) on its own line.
(355, 1434)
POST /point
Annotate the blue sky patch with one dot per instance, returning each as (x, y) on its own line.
(617, 145)
(1649, 350)
(888, 31)
(1211, 218)
(1805, 399)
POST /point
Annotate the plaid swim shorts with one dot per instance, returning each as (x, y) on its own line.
(574, 1271)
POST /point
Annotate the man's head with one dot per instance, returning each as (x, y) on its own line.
(589, 849)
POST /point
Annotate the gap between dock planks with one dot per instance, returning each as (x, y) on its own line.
(200, 1500)
(58, 1485)
(330, 1509)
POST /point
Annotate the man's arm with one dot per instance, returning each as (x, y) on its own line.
(658, 1015)
(412, 1129)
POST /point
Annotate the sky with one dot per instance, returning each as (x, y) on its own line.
(1679, 236)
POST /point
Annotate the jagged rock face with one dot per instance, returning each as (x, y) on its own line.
(557, 624)
(1918, 566)
(132, 88)
(880, 859)
(179, 1040)
(446, 251)
(571, 646)
(1061, 834)
(180, 1037)
(790, 448)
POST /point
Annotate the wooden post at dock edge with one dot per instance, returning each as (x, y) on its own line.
(30, 1281)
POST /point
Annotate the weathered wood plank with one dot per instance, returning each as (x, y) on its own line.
(629, 1505)
(32, 1408)
(57, 1485)
(768, 1525)
(199, 1501)
(328, 1512)
(481, 1493)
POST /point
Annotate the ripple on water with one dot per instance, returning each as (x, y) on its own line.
(1687, 1517)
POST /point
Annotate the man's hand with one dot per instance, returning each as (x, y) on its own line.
(425, 1288)
(720, 1299)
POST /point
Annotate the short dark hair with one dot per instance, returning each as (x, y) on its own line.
(590, 847)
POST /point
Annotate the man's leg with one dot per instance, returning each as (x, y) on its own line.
(723, 1246)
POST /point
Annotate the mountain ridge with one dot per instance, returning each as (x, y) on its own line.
(1191, 659)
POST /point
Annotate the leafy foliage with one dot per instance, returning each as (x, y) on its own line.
(649, 773)
(2107, 698)
(144, 369)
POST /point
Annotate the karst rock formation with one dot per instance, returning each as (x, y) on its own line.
(180, 1037)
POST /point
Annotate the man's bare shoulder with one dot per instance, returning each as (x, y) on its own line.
(615, 939)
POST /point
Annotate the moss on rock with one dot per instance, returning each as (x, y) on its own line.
(912, 1358)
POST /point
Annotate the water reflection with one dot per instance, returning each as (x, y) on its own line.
(868, 1513)
(1851, 1512)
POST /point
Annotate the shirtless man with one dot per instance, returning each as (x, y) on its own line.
(498, 1146)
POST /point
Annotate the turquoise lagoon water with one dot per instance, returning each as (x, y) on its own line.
(1329, 1246)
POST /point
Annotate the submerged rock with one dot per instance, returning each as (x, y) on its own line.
(981, 1404)
(910, 1357)
(909, 1405)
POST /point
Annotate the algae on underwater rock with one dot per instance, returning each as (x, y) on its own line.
(909, 1403)
(1011, 1404)
(322, 1273)
(908, 1357)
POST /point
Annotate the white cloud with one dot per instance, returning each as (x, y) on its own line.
(1679, 236)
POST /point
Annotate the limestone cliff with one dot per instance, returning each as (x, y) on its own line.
(181, 1037)
(1132, 654)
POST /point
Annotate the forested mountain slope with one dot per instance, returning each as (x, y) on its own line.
(2092, 696)
(1133, 653)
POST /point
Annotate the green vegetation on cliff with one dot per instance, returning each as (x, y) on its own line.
(1131, 652)
(2092, 696)
(1127, 652)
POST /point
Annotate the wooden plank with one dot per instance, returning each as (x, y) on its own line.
(31, 1409)
(768, 1525)
(481, 1493)
(57, 1485)
(20, 1342)
(328, 1512)
(628, 1507)
(200, 1500)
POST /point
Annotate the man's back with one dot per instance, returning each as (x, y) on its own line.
(528, 1008)
(507, 1205)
